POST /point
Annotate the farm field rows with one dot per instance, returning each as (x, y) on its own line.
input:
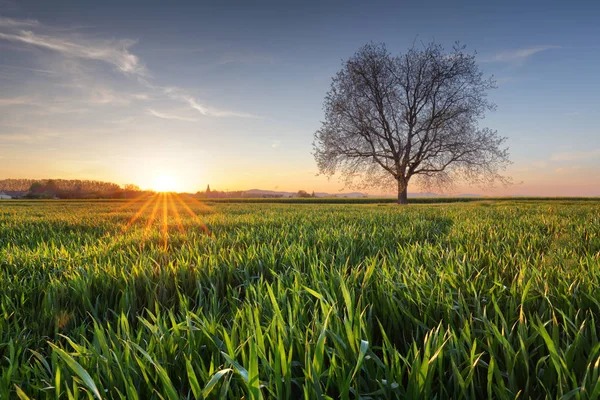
(168, 297)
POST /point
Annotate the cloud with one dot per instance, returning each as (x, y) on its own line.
(169, 116)
(43, 107)
(16, 23)
(141, 96)
(178, 94)
(573, 114)
(576, 155)
(276, 143)
(125, 120)
(215, 112)
(102, 95)
(36, 70)
(27, 138)
(519, 54)
(32, 32)
(15, 101)
(115, 52)
(567, 169)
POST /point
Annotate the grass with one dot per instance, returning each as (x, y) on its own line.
(387, 200)
(174, 299)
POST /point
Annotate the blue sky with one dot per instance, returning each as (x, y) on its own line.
(230, 93)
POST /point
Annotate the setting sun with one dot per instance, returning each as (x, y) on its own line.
(164, 183)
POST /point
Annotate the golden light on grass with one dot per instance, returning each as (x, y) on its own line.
(159, 208)
(152, 215)
(164, 228)
(175, 213)
(138, 213)
(193, 214)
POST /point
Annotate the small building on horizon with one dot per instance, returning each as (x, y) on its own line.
(4, 196)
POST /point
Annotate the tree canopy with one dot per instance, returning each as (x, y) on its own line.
(389, 119)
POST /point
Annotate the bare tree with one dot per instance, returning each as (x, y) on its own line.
(130, 187)
(391, 118)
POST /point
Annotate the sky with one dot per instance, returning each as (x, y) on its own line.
(230, 93)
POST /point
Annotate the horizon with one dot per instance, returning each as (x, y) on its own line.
(324, 194)
(230, 94)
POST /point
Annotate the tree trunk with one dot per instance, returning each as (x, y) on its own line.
(402, 192)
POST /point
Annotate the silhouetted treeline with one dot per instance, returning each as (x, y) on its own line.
(68, 189)
(217, 194)
(241, 194)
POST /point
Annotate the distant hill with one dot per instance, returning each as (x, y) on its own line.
(274, 193)
(261, 193)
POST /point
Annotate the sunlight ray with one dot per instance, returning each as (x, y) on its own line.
(193, 215)
(164, 228)
(131, 202)
(175, 212)
(152, 216)
(138, 213)
(196, 202)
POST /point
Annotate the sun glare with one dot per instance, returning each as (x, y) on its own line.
(164, 183)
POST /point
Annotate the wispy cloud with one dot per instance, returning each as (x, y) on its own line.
(215, 112)
(43, 106)
(32, 32)
(17, 23)
(141, 96)
(114, 52)
(117, 53)
(125, 120)
(27, 138)
(178, 94)
(101, 95)
(519, 54)
(14, 101)
(567, 169)
(36, 70)
(576, 155)
(169, 116)
(575, 113)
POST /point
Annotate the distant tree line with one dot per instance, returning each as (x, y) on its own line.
(305, 194)
(239, 194)
(68, 189)
(217, 194)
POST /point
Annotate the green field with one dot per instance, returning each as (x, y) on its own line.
(178, 299)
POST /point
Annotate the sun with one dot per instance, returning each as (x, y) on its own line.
(164, 183)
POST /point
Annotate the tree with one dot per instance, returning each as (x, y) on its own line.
(51, 187)
(36, 187)
(302, 193)
(130, 187)
(391, 118)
